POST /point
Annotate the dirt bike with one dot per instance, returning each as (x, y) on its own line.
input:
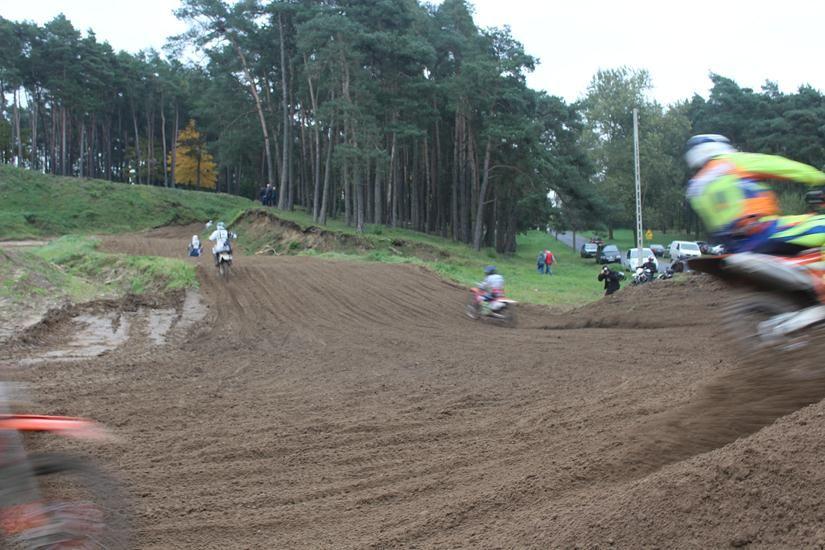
(56, 500)
(642, 276)
(500, 309)
(666, 274)
(781, 298)
(224, 264)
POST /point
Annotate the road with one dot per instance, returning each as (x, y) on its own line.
(566, 238)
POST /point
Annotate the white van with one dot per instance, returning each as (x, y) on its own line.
(631, 258)
(684, 250)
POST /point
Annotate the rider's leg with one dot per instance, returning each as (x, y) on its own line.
(792, 234)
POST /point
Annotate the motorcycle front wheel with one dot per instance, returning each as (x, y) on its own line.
(744, 319)
(85, 508)
(472, 307)
(507, 316)
(223, 269)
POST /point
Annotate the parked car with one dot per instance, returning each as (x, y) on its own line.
(632, 260)
(703, 247)
(682, 250)
(589, 250)
(658, 249)
(609, 254)
(717, 249)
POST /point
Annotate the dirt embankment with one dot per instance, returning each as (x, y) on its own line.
(324, 404)
(267, 234)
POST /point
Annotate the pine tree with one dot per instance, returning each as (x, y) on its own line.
(195, 166)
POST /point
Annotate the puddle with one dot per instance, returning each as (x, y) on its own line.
(160, 321)
(193, 310)
(92, 335)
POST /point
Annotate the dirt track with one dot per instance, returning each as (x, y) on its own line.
(347, 405)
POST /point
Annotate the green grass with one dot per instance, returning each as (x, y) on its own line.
(24, 275)
(118, 273)
(36, 205)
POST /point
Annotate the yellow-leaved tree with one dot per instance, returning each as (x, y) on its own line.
(194, 165)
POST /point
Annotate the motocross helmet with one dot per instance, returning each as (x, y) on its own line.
(221, 225)
(703, 147)
(489, 270)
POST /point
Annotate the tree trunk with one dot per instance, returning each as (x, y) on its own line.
(35, 157)
(283, 200)
(175, 146)
(378, 215)
(82, 144)
(18, 135)
(163, 141)
(261, 117)
(481, 198)
(322, 214)
(393, 181)
(63, 166)
(137, 146)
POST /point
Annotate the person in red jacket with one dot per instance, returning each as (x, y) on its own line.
(549, 260)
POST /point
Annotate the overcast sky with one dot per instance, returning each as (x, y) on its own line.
(678, 43)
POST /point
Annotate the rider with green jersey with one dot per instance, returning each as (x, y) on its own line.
(729, 194)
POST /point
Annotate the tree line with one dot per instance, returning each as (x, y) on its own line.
(379, 112)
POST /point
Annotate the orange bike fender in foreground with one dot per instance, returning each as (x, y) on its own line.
(61, 425)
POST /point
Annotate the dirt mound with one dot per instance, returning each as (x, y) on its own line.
(170, 241)
(267, 234)
(688, 300)
(762, 491)
(325, 404)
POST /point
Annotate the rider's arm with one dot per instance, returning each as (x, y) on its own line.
(774, 167)
(214, 236)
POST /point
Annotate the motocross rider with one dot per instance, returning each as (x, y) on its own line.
(651, 265)
(738, 209)
(222, 239)
(492, 285)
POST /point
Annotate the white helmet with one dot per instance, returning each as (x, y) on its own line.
(700, 149)
(221, 225)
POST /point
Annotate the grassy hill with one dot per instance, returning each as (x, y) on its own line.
(36, 205)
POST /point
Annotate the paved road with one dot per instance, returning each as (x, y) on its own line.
(566, 238)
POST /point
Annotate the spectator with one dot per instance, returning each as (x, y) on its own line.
(540, 260)
(262, 195)
(611, 280)
(549, 260)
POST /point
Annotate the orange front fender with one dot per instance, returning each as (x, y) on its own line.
(62, 425)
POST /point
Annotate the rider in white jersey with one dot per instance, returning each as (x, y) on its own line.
(222, 239)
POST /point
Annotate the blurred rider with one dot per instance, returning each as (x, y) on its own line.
(729, 194)
(222, 239)
(492, 286)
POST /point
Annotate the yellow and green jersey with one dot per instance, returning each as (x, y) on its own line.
(729, 188)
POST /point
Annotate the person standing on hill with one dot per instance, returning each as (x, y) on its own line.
(540, 260)
(611, 280)
(549, 260)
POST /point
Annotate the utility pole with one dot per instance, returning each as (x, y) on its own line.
(639, 235)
